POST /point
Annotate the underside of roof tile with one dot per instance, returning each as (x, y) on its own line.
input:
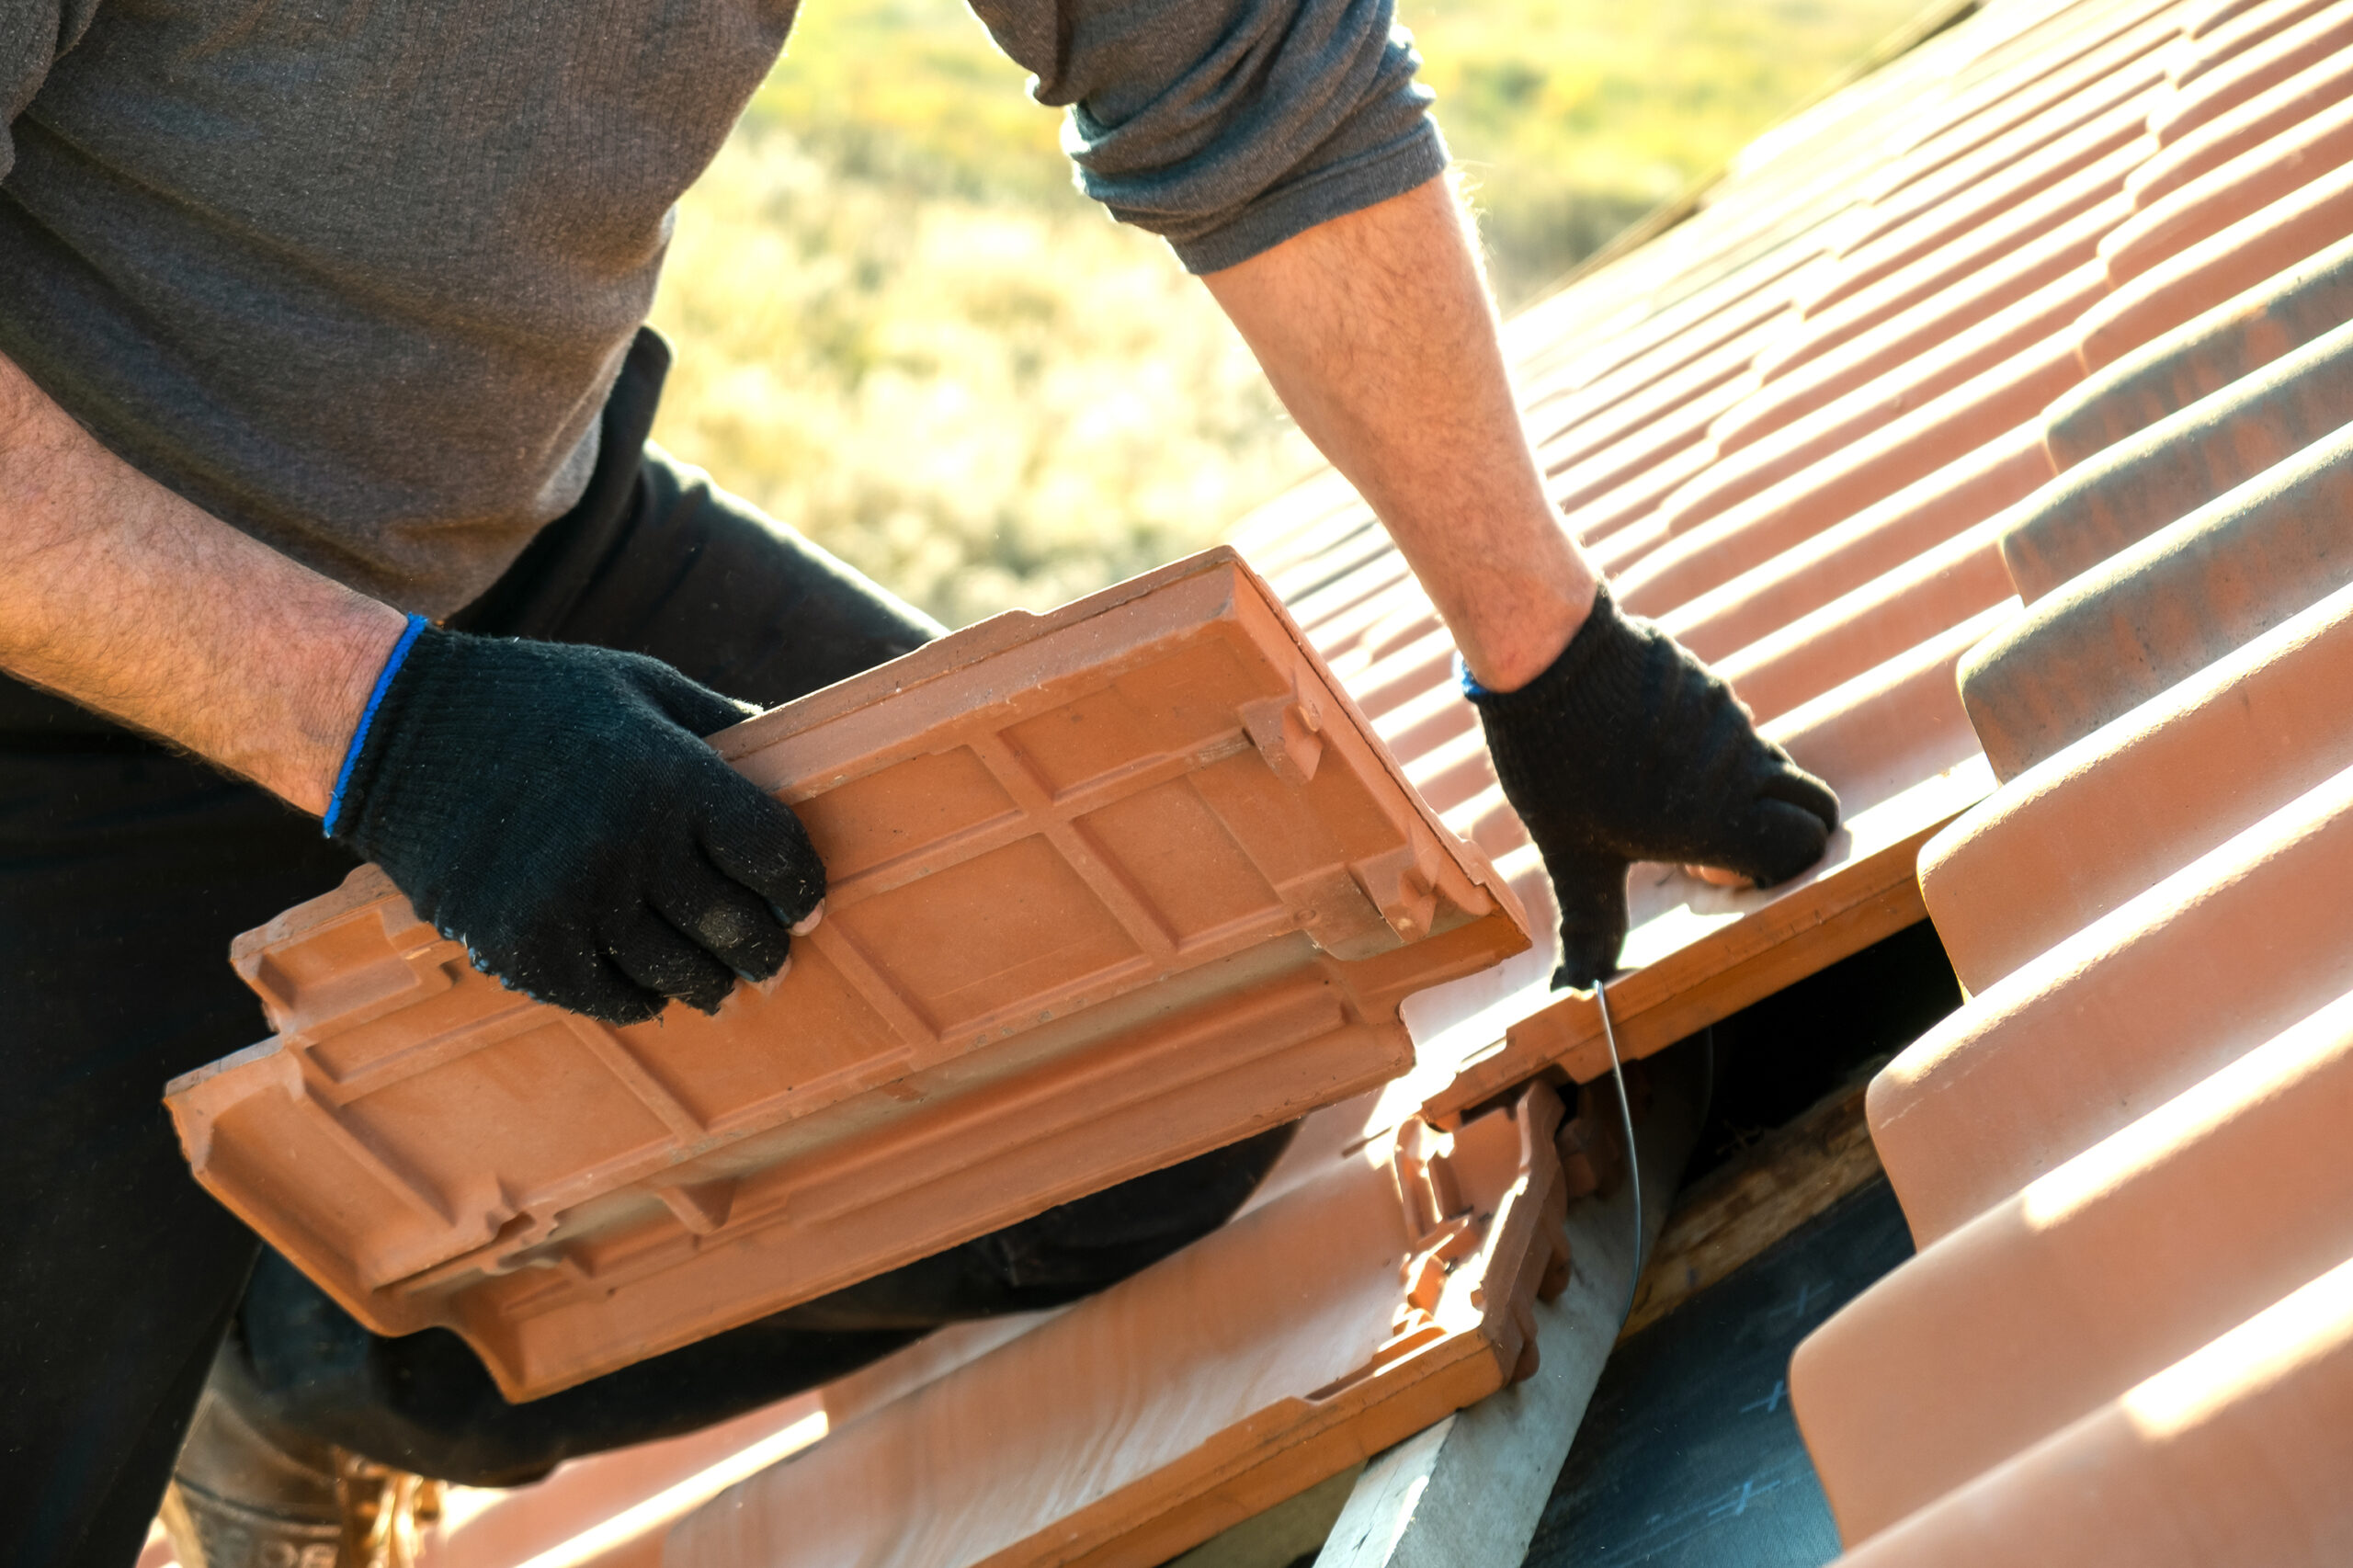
(1109, 888)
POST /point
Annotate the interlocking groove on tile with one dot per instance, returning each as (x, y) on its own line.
(1394, 1287)
(1109, 887)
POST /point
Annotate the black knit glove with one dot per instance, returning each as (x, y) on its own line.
(1627, 748)
(554, 808)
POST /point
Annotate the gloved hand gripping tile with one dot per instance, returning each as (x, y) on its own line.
(1896, 744)
(1109, 888)
(1628, 749)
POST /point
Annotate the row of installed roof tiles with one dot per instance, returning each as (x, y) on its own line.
(1805, 430)
(613, 1508)
(1804, 458)
(2129, 1337)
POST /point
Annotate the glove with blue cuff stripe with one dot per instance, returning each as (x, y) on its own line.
(555, 808)
(1627, 748)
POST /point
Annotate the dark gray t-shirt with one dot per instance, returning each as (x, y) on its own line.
(355, 275)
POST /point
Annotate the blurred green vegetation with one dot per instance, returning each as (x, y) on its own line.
(902, 331)
(1577, 117)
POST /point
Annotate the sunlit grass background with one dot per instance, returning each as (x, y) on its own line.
(902, 331)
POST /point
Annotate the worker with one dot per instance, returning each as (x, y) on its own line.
(330, 532)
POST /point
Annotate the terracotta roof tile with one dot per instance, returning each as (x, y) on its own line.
(1394, 1287)
(2149, 997)
(2121, 495)
(2237, 40)
(2233, 1454)
(1109, 887)
(2203, 356)
(2096, 1277)
(2125, 1150)
(2167, 605)
(2086, 829)
(2046, 172)
(2030, 270)
(2217, 268)
(2211, 201)
(2192, 146)
(1738, 618)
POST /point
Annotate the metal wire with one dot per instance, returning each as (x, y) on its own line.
(1626, 1121)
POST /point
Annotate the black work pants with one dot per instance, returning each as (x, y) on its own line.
(126, 868)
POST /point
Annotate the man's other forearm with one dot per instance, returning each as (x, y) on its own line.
(122, 596)
(1378, 332)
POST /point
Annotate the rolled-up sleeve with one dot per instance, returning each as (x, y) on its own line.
(1228, 126)
(33, 34)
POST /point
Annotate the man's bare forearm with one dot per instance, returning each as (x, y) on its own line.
(1378, 332)
(122, 596)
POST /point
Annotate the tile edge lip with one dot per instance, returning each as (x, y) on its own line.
(959, 649)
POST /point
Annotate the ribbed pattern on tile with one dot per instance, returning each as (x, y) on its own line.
(2129, 1335)
(1108, 888)
(1849, 431)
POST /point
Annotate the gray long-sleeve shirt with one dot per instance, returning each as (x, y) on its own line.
(355, 275)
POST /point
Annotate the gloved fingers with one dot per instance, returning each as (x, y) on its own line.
(725, 918)
(597, 988)
(1796, 787)
(1770, 843)
(1590, 889)
(759, 843)
(688, 704)
(653, 952)
(1587, 956)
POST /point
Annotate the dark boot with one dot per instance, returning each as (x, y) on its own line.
(242, 1497)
